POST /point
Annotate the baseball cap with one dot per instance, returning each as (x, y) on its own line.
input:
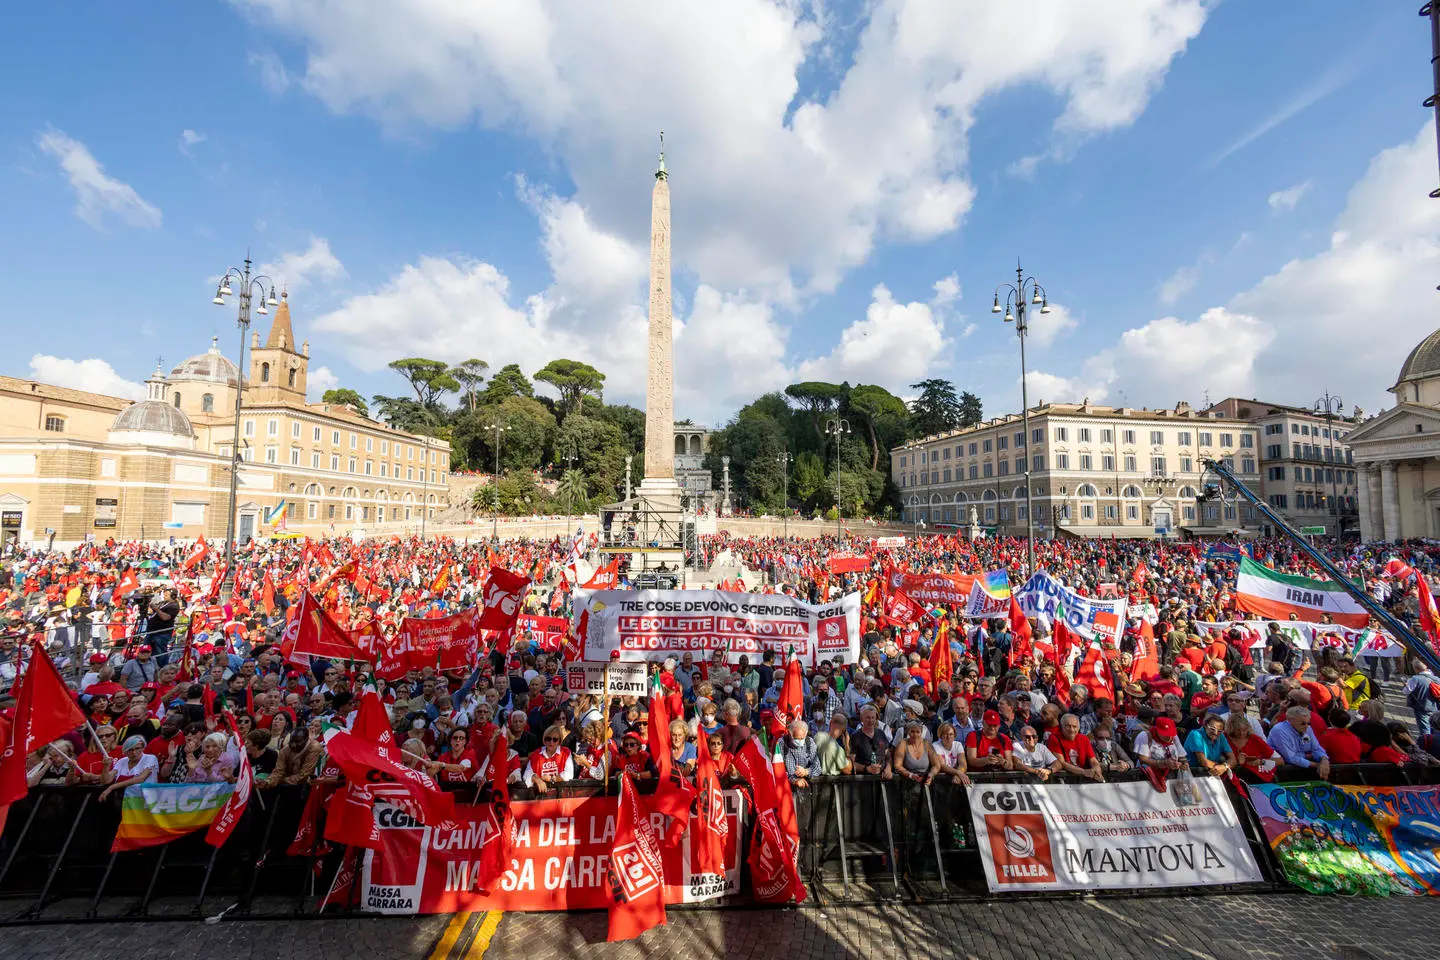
(991, 718)
(143, 648)
(1165, 728)
(98, 658)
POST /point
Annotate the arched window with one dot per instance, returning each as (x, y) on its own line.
(936, 498)
(695, 446)
(1019, 493)
(961, 497)
(177, 399)
(680, 446)
(264, 373)
(914, 501)
(207, 403)
(1187, 493)
(1130, 492)
(1086, 490)
(988, 495)
(292, 377)
(312, 490)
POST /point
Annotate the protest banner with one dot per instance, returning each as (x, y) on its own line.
(1109, 836)
(1352, 839)
(889, 543)
(547, 633)
(1043, 596)
(559, 855)
(453, 640)
(156, 813)
(841, 562)
(627, 679)
(932, 588)
(1267, 593)
(984, 606)
(653, 624)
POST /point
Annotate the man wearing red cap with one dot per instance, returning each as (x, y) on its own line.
(988, 748)
(1159, 748)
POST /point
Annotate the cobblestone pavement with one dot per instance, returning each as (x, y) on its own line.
(1265, 926)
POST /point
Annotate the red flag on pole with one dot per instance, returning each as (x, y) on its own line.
(312, 632)
(942, 659)
(197, 555)
(710, 829)
(361, 760)
(1094, 673)
(129, 583)
(636, 872)
(224, 823)
(606, 578)
(44, 709)
(775, 875)
(504, 594)
(791, 706)
(673, 793)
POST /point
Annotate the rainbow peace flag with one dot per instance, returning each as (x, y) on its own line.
(156, 813)
(276, 514)
(996, 583)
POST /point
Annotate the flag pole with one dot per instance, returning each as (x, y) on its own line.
(605, 719)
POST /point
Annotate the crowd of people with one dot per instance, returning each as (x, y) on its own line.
(156, 666)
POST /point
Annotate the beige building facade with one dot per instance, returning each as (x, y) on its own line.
(1094, 471)
(1397, 454)
(75, 464)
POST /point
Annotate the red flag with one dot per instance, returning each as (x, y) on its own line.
(636, 872)
(129, 583)
(267, 594)
(791, 707)
(439, 584)
(673, 793)
(44, 709)
(197, 555)
(1064, 644)
(710, 829)
(312, 632)
(504, 594)
(901, 610)
(365, 762)
(775, 875)
(1429, 616)
(1094, 673)
(942, 659)
(224, 823)
(606, 578)
(1147, 655)
(304, 840)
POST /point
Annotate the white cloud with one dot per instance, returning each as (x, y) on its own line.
(1048, 388)
(93, 375)
(1179, 283)
(299, 267)
(1312, 324)
(774, 196)
(1283, 201)
(1043, 329)
(895, 345)
(188, 139)
(318, 381)
(273, 75)
(96, 194)
(947, 290)
(1327, 83)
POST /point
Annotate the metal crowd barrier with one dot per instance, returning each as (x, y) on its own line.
(862, 839)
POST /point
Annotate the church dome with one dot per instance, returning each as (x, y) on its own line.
(210, 367)
(153, 416)
(1423, 362)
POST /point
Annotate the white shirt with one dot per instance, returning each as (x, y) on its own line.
(1041, 756)
(149, 765)
(1152, 749)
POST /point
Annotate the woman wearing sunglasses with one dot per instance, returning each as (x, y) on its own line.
(551, 764)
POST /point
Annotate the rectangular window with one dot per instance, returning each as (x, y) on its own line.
(945, 454)
(1247, 441)
(1002, 442)
(1247, 465)
(409, 473)
(1295, 451)
(1206, 438)
(55, 424)
(985, 446)
(315, 434)
(272, 455)
(1086, 463)
(295, 429)
(315, 460)
(272, 427)
(294, 456)
(354, 441)
(1107, 436)
(1037, 462)
(1227, 440)
(1019, 440)
(1004, 468)
(1022, 512)
(1157, 466)
(1062, 461)
(409, 453)
(1304, 429)
(902, 460)
(988, 470)
(369, 444)
(1128, 436)
(947, 474)
(1061, 433)
(1187, 465)
(384, 469)
(1004, 514)
(384, 448)
(1183, 438)
(312, 510)
(1130, 466)
(974, 449)
(1083, 434)
(1107, 463)
(1273, 451)
(1188, 513)
(352, 465)
(1112, 512)
(1132, 512)
(974, 472)
(1157, 437)
(335, 437)
(1087, 511)
(249, 428)
(335, 463)
(369, 467)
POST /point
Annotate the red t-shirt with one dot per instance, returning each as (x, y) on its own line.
(1342, 745)
(1254, 751)
(1077, 752)
(1165, 687)
(450, 776)
(984, 746)
(1385, 755)
(90, 760)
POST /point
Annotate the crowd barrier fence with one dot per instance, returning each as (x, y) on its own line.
(880, 839)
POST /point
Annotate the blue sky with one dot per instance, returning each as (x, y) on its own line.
(1219, 197)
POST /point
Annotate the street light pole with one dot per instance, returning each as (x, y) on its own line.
(785, 461)
(1329, 407)
(1015, 298)
(495, 486)
(247, 284)
(569, 489)
(837, 427)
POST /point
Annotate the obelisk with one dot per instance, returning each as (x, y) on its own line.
(659, 486)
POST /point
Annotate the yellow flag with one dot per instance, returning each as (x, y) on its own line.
(72, 596)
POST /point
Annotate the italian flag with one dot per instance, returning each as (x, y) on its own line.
(1274, 596)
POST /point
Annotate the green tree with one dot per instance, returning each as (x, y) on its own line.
(346, 397)
(574, 381)
(599, 449)
(573, 491)
(808, 482)
(970, 410)
(630, 420)
(877, 408)
(406, 414)
(508, 381)
(470, 374)
(817, 398)
(754, 443)
(529, 430)
(516, 493)
(430, 379)
(936, 409)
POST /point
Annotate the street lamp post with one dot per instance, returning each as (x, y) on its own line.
(495, 486)
(785, 460)
(1329, 407)
(569, 489)
(248, 285)
(1015, 311)
(837, 427)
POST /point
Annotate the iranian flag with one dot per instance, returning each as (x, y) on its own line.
(1274, 596)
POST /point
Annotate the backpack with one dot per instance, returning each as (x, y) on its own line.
(1423, 697)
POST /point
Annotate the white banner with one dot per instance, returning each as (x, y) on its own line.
(1043, 595)
(627, 678)
(1313, 636)
(887, 543)
(1109, 836)
(982, 606)
(651, 624)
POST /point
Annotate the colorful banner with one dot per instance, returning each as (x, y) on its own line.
(653, 624)
(547, 633)
(983, 606)
(889, 543)
(932, 588)
(1043, 595)
(156, 813)
(558, 859)
(1353, 840)
(1275, 596)
(1110, 836)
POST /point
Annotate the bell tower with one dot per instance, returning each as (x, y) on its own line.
(278, 369)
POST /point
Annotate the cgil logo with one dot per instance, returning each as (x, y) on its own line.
(1006, 801)
(393, 818)
(1019, 843)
